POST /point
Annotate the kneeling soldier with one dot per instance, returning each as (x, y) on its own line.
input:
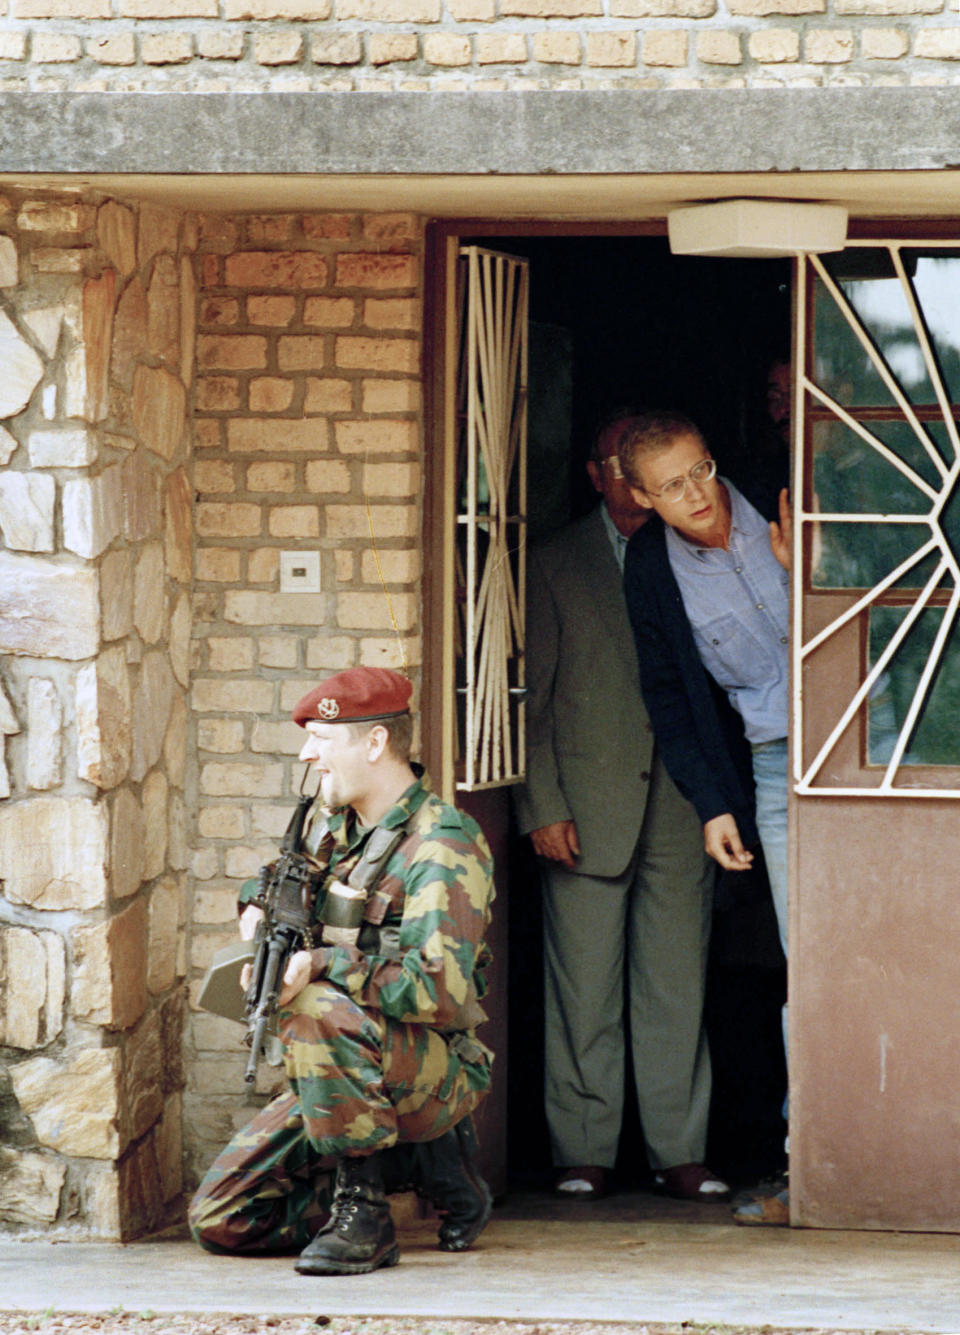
(377, 1021)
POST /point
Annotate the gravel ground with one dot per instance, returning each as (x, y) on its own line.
(210, 1323)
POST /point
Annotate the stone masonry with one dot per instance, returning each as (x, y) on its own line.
(97, 304)
(184, 399)
(411, 45)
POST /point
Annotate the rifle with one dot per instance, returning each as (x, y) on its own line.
(286, 892)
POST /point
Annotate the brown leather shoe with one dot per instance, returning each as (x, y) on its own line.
(690, 1182)
(581, 1183)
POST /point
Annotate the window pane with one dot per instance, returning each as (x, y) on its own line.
(841, 365)
(936, 282)
(857, 556)
(851, 476)
(936, 738)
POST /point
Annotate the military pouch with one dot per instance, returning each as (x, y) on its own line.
(343, 912)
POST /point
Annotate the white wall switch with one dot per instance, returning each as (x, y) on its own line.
(299, 572)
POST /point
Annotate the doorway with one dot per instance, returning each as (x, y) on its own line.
(617, 321)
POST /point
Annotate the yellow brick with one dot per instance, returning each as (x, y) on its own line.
(225, 520)
(62, 9)
(53, 259)
(49, 48)
(328, 396)
(391, 396)
(294, 521)
(501, 48)
(446, 49)
(13, 45)
(387, 48)
(557, 48)
(274, 311)
(773, 46)
(828, 46)
(252, 696)
(391, 11)
(550, 9)
(298, 11)
(756, 8)
(221, 735)
(277, 651)
(611, 49)
(377, 270)
(244, 607)
(238, 779)
(168, 9)
(221, 823)
(119, 50)
(329, 312)
(276, 269)
(328, 475)
(213, 475)
(938, 44)
(217, 393)
(218, 45)
(662, 9)
(665, 48)
(220, 564)
(247, 435)
(401, 567)
(389, 521)
(331, 651)
(377, 354)
(384, 651)
(278, 48)
(231, 352)
(40, 215)
(393, 479)
(884, 43)
(271, 477)
(229, 653)
(344, 564)
(263, 565)
(476, 11)
(270, 394)
(888, 6)
(174, 48)
(301, 352)
(381, 435)
(392, 313)
(337, 49)
(716, 47)
(370, 611)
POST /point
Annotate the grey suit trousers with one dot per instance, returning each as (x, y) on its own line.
(650, 926)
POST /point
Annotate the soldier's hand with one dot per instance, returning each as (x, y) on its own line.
(249, 918)
(559, 842)
(721, 839)
(780, 533)
(295, 976)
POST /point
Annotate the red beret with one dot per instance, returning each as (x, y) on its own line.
(359, 695)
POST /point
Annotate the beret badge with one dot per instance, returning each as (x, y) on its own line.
(328, 708)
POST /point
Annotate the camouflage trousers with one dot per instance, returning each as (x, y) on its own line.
(359, 1083)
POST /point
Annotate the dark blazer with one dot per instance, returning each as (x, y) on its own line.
(699, 733)
(589, 742)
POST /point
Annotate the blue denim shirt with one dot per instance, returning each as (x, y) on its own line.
(736, 603)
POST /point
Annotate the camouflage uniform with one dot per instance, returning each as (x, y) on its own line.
(373, 1047)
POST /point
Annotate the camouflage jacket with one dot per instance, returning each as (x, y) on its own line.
(436, 893)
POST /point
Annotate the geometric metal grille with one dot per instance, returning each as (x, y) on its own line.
(877, 463)
(491, 481)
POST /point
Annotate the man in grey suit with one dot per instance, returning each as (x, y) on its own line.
(627, 885)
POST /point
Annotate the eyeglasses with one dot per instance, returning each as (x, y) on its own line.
(676, 488)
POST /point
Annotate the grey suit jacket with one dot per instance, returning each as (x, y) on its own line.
(589, 742)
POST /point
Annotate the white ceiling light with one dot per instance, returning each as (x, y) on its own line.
(756, 228)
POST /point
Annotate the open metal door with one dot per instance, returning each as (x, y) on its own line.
(875, 917)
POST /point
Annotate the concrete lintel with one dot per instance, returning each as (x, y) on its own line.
(509, 133)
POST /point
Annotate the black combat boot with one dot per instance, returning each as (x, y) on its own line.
(358, 1236)
(445, 1172)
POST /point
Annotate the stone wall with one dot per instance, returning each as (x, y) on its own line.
(306, 413)
(244, 45)
(97, 306)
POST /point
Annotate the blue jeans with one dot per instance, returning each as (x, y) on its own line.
(771, 779)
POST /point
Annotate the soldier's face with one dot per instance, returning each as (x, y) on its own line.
(340, 760)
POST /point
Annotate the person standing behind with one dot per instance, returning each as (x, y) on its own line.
(706, 590)
(627, 888)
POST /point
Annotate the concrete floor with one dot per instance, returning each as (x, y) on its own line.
(633, 1258)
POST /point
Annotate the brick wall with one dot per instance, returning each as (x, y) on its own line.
(474, 44)
(306, 408)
